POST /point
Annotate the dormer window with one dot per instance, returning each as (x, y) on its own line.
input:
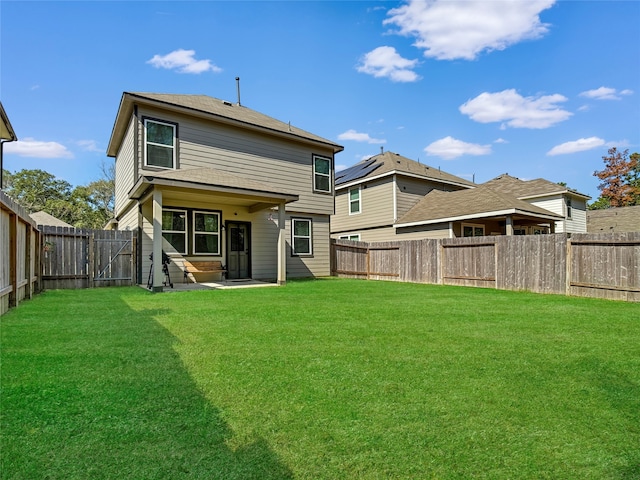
(160, 144)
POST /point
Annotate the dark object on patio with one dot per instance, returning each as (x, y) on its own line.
(165, 269)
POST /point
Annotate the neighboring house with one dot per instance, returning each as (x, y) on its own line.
(614, 220)
(43, 218)
(204, 179)
(373, 194)
(569, 204)
(473, 213)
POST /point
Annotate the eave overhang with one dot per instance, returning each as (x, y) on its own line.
(483, 215)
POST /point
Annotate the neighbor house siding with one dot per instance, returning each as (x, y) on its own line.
(287, 165)
(578, 221)
(376, 207)
(410, 191)
(554, 204)
(124, 169)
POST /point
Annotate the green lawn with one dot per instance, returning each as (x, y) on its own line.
(327, 379)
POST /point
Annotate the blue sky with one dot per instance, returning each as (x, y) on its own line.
(531, 88)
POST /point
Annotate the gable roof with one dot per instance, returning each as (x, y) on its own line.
(43, 218)
(482, 202)
(212, 109)
(529, 188)
(620, 219)
(390, 163)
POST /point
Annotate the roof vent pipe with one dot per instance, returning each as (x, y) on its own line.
(238, 89)
(381, 149)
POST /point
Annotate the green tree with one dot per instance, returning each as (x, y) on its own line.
(89, 206)
(620, 180)
(34, 188)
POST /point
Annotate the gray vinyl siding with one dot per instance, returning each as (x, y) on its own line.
(554, 204)
(410, 191)
(287, 165)
(578, 221)
(125, 173)
(376, 207)
(318, 264)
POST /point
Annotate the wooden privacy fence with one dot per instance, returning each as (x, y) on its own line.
(590, 265)
(19, 254)
(79, 258)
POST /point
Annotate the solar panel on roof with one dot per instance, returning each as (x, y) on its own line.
(357, 171)
(354, 168)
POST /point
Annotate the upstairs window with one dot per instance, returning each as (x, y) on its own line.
(354, 200)
(321, 174)
(206, 233)
(569, 212)
(160, 144)
(301, 236)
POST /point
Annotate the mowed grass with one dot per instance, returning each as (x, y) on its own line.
(325, 379)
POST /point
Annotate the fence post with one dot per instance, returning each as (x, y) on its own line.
(91, 267)
(568, 262)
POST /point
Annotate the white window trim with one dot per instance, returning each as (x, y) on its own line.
(569, 206)
(194, 233)
(354, 238)
(329, 176)
(294, 236)
(146, 142)
(474, 226)
(184, 232)
(359, 188)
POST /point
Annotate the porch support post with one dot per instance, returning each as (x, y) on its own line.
(282, 246)
(157, 241)
(509, 225)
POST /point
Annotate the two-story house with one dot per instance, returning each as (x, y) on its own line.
(373, 194)
(206, 179)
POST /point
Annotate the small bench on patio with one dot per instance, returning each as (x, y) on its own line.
(203, 267)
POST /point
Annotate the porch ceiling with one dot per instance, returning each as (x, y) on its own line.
(202, 184)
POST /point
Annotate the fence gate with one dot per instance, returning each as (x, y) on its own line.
(79, 258)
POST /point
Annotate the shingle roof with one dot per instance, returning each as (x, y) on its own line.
(481, 201)
(611, 220)
(528, 188)
(209, 177)
(391, 162)
(43, 218)
(214, 108)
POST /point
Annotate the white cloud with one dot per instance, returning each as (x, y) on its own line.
(30, 147)
(184, 62)
(448, 30)
(387, 63)
(88, 145)
(500, 140)
(359, 137)
(449, 148)
(605, 93)
(579, 145)
(515, 110)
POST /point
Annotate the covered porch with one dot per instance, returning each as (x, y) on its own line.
(203, 216)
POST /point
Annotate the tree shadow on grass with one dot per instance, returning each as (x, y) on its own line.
(106, 396)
